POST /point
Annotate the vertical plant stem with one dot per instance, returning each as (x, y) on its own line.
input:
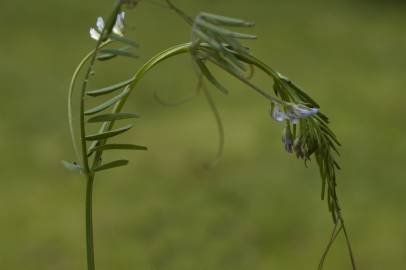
(89, 223)
(89, 174)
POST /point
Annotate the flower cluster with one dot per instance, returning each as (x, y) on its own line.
(118, 28)
(299, 140)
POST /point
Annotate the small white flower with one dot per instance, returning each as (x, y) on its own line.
(118, 28)
(100, 24)
(94, 34)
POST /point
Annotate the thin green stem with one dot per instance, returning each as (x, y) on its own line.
(348, 242)
(89, 223)
(89, 174)
(180, 12)
(333, 237)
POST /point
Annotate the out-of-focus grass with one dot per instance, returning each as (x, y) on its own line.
(259, 208)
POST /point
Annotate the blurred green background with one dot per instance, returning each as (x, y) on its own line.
(259, 208)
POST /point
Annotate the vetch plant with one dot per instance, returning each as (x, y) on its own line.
(305, 133)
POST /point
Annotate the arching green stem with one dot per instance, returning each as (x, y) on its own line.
(173, 51)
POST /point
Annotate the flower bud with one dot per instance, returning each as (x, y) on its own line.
(287, 139)
(298, 148)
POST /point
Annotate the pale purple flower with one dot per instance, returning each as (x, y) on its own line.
(277, 114)
(293, 112)
(293, 118)
(300, 110)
